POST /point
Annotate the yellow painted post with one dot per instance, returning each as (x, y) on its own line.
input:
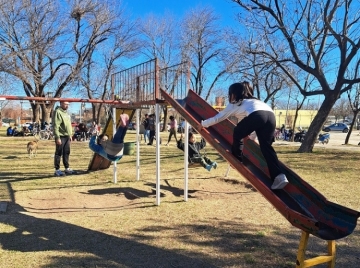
(301, 262)
(331, 252)
(302, 248)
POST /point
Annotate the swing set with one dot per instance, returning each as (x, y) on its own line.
(141, 84)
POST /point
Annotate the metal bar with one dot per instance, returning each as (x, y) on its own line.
(7, 97)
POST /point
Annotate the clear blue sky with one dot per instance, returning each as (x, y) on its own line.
(225, 9)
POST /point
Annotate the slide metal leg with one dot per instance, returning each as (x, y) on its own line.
(302, 262)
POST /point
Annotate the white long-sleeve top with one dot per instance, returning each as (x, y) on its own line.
(246, 107)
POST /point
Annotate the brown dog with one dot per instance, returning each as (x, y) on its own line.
(32, 147)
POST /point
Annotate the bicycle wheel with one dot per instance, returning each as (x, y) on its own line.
(36, 134)
(44, 135)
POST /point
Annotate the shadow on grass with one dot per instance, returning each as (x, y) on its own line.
(129, 192)
(247, 246)
(10, 157)
(219, 244)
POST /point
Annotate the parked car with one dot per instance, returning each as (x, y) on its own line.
(5, 124)
(337, 127)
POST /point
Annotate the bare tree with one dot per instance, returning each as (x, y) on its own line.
(266, 77)
(202, 45)
(321, 38)
(46, 44)
(160, 39)
(161, 42)
(354, 103)
(106, 59)
(341, 109)
(6, 86)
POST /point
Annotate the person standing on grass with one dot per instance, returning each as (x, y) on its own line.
(151, 129)
(172, 130)
(63, 132)
(146, 128)
(259, 117)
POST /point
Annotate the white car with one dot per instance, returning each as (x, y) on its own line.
(5, 124)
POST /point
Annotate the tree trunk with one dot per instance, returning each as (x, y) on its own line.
(46, 112)
(36, 112)
(316, 125)
(356, 112)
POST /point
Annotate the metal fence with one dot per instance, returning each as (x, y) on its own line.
(141, 83)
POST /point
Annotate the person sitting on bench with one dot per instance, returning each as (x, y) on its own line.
(111, 150)
(194, 152)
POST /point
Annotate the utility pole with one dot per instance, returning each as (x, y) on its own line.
(21, 111)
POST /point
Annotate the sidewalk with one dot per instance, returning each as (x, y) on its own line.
(337, 140)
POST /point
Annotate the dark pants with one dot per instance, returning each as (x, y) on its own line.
(62, 150)
(172, 132)
(152, 136)
(263, 123)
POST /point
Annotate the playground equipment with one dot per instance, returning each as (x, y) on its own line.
(302, 205)
(98, 162)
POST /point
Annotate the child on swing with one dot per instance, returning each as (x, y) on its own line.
(194, 151)
(259, 117)
(111, 150)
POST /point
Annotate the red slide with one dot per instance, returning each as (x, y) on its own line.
(302, 205)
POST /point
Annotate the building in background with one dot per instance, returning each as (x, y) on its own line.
(287, 117)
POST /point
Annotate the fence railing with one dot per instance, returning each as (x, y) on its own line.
(141, 83)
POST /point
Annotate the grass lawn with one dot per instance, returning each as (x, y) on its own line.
(85, 220)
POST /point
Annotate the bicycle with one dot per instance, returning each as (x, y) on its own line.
(46, 134)
(36, 131)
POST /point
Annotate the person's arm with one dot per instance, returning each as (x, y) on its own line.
(222, 115)
(202, 143)
(180, 143)
(56, 124)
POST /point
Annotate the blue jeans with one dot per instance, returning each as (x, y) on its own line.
(118, 138)
(146, 135)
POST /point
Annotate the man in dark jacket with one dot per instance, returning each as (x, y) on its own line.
(146, 128)
(151, 128)
(194, 152)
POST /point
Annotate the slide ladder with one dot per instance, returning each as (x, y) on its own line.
(301, 204)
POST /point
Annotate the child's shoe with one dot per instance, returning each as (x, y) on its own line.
(280, 182)
(214, 164)
(208, 167)
(124, 120)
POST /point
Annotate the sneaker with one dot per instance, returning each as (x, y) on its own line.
(279, 182)
(208, 167)
(124, 120)
(69, 171)
(59, 173)
(214, 164)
